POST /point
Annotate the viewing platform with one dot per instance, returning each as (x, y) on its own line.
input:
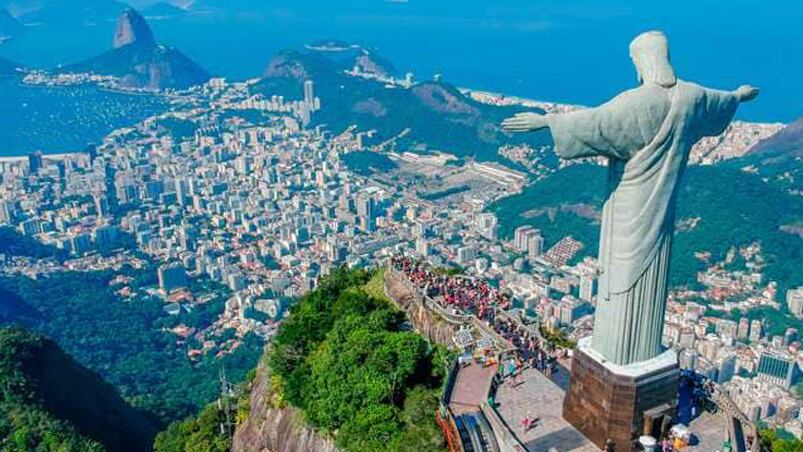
(481, 411)
(540, 397)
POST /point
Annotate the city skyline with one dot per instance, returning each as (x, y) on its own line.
(345, 250)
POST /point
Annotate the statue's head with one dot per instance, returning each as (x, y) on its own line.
(650, 54)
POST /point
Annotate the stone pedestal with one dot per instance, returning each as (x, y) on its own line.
(607, 402)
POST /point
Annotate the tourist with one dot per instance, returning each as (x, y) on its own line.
(469, 295)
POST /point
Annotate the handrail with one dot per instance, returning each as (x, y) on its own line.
(503, 439)
(502, 343)
(506, 440)
(458, 319)
(453, 318)
(451, 378)
(724, 401)
(488, 432)
(521, 324)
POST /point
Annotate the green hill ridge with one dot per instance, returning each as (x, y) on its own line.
(734, 207)
(49, 402)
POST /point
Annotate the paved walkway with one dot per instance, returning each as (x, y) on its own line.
(711, 430)
(471, 388)
(539, 396)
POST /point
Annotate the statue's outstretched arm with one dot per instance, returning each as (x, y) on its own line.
(719, 107)
(524, 122)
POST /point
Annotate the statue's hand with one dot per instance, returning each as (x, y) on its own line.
(747, 93)
(524, 122)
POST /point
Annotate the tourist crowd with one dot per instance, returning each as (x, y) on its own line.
(471, 295)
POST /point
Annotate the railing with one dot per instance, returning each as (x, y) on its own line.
(449, 429)
(519, 323)
(502, 344)
(428, 302)
(448, 386)
(488, 431)
(445, 416)
(448, 316)
(724, 402)
(502, 437)
(506, 440)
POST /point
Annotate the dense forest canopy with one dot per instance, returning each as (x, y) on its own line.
(126, 341)
(48, 402)
(344, 360)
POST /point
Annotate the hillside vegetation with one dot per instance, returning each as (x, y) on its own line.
(48, 402)
(343, 359)
(125, 340)
(734, 207)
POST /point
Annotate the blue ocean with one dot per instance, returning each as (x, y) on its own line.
(570, 51)
(57, 120)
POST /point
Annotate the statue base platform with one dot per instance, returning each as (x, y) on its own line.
(606, 401)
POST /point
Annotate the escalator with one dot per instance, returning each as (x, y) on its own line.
(465, 436)
(475, 433)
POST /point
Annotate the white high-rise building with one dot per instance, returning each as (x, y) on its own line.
(587, 287)
(755, 331)
(422, 247)
(794, 301)
(521, 236)
(465, 255)
(486, 224)
(309, 92)
(535, 246)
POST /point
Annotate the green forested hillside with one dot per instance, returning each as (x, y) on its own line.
(48, 402)
(196, 433)
(124, 341)
(15, 244)
(734, 207)
(366, 163)
(342, 358)
(437, 115)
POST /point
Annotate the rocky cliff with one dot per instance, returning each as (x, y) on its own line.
(424, 321)
(271, 429)
(132, 29)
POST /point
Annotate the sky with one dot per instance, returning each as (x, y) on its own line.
(567, 51)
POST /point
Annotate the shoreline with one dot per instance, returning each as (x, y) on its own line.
(478, 95)
(55, 156)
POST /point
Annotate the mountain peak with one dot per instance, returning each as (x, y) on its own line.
(139, 62)
(132, 29)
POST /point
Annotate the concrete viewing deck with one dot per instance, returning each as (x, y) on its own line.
(538, 396)
(471, 388)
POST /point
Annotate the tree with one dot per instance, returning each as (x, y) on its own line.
(343, 359)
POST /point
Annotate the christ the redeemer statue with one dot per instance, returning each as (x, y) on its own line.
(646, 134)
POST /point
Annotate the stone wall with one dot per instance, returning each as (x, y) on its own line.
(425, 322)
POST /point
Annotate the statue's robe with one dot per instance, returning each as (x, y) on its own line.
(646, 134)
